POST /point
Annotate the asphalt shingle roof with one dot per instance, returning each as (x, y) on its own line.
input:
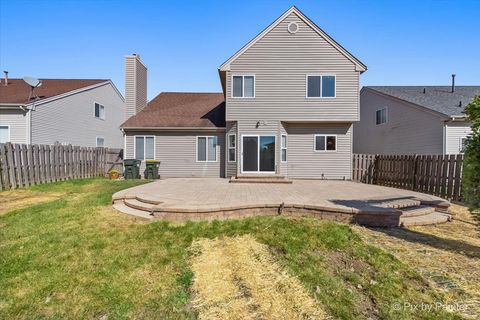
(181, 109)
(437, 98)
(18, 91)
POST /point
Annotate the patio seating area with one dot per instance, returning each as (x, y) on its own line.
(197, 199)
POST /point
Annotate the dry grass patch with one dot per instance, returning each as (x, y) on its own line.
(237, 278)
(447, 255)
(18, 199)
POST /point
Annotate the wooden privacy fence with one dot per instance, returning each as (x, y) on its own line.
(24, 165)
(439, 175)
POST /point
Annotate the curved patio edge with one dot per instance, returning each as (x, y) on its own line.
(185, 199)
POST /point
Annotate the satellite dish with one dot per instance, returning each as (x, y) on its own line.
(32, 82)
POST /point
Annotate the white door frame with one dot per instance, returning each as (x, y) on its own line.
(258, 155)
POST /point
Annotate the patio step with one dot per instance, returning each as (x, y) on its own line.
(431, 218)
(260, 179)
(119, 205)
(400, 203)
(256, 176)
(417, 211)
(139, 205)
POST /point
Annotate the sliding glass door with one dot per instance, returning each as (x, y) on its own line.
(258, 154)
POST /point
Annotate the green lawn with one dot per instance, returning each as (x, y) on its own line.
(75, 257)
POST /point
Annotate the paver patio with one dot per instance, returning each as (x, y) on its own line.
(194, 195)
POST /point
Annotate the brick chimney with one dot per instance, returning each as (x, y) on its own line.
(135, 85)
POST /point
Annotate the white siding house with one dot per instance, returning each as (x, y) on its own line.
(78, 112)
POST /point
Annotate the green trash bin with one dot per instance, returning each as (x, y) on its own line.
(151, 169)
(132, 168)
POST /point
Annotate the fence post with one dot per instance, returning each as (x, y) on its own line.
(414, 172)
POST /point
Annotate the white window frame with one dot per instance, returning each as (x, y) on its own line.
(283, 148)
(144, 148)
(230, 147)
(206, 151)
(324, 135)
(321, 75)
(386, 116)
(104, 111)
(8, 131)
(96, 142)
(243, 85)
(461, 147)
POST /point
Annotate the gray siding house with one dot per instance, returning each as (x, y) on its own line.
(413, 119)
(82, 112)
(290, 98)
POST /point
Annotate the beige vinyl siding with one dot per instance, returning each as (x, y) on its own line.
(283, 165)
(305, 163)
(177, 154)
(71, 120)
(280, 62)
(265, 127)
(135, 86)
(17, 121)
(409, 129)
(232, 166)
(454, 132)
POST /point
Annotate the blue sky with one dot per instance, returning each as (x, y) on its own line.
(184, 42)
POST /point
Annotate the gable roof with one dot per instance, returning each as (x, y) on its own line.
(437, 98)
(359, 65)
(181, 110)
(18, 91)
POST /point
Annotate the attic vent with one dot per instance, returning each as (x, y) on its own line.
(292, 27)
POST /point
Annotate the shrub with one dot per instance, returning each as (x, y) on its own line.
(471, 171)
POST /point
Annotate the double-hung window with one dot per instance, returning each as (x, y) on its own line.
(4, 134)
(325, 142)
(284, 148)
(207, 149)
(99, 111)
(144, 147)
(243, 86)
(100, 142)
(381, 116)
(232, 147)
(321, 86)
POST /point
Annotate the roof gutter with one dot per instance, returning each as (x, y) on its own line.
(459, 118)
(174, 128)
(11, 105)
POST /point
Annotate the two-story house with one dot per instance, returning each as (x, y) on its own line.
(413, 119)
(290, 98)
(81, 112)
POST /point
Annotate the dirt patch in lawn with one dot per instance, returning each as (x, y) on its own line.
(238, 278)
(18, 199)
(447, 255)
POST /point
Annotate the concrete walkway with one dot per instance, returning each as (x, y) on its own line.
(190, 195)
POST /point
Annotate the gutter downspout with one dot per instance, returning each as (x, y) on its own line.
(444, 145)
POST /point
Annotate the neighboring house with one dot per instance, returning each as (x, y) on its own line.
(290, 98)
(413, 119)
(82, 112)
